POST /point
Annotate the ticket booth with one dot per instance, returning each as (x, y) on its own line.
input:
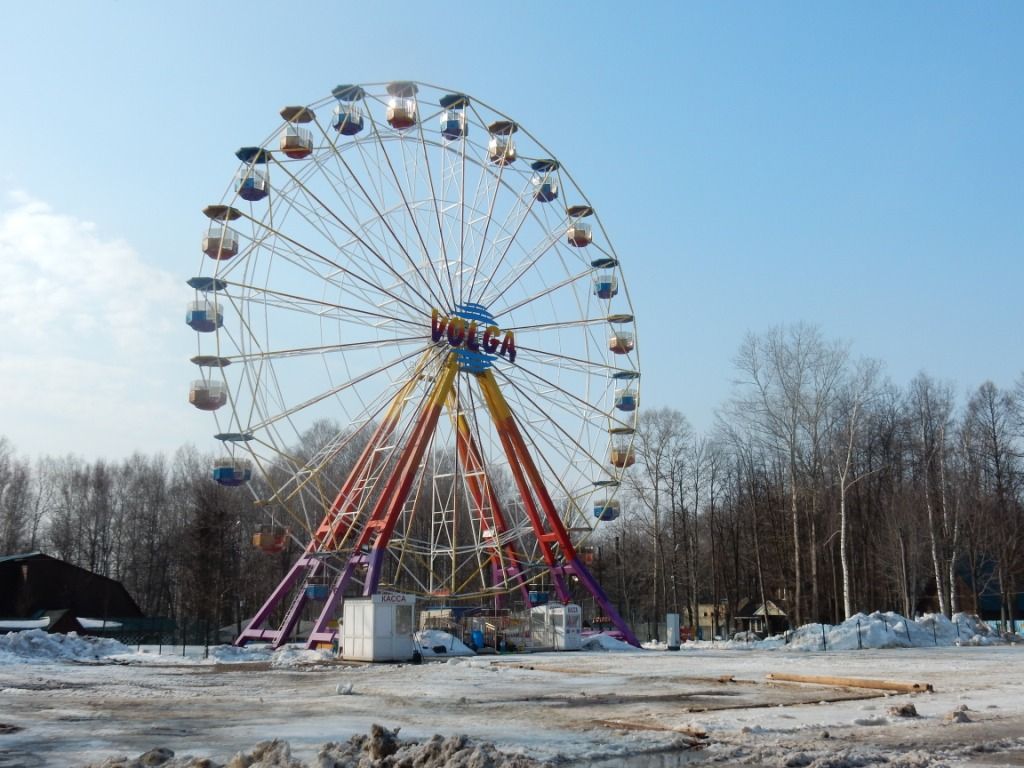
(378, 628)
(556, 626)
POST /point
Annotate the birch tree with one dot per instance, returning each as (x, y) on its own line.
(860, 389)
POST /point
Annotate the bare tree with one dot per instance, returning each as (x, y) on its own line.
(931, 408)
(859, 390)
(15, 500)
(787, 379)
(661, 439)
(990, 419)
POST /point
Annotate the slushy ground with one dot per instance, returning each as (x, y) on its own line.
(66, 701)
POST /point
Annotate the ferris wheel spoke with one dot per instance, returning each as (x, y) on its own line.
(558, 325)
(355, 235)
(412, 218)
(384, 400)
(570, 360)
(488, 174)
(368, 283)
(545, 402)
(333, 391)
(511, 240)
(586, 405)
(542, 293)
(279, 354)
(296, 302)
(379, 243)
(538, 440)
(442, 241)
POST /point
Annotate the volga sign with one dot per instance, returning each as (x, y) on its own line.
(471, 335)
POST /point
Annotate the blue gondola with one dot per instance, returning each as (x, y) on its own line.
(232, 472)
(253, 185)
(348, 117)
(317, 591)
(605, 286)
(626, 399)
(545, 186)
(204, 316)
(453, 116)
(607, 510)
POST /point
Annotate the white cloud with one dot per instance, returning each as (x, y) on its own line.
(90, 355)
(61, 283)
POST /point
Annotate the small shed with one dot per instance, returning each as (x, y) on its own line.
(766, 618)
(557, 626)
(378, 628)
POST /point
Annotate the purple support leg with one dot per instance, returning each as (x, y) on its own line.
(561, 587)
(253, 631)
(373, 574)
(320, 632)
(591, 585)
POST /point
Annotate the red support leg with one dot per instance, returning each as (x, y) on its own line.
(522, 462)
(504, 559)
(329, 535)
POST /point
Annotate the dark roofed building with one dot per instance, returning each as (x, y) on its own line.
(33, 584)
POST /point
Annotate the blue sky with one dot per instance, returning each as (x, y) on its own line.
(855, 166)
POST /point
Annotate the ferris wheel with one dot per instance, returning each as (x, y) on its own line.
(420, 352)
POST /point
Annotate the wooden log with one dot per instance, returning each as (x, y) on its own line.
(853, 682)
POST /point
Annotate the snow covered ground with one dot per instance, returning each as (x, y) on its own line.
(69, 701)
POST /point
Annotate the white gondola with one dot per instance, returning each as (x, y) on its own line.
(208, 395)
(501, 150)
(621, 342)
(401, 112)
(296, 142)
(220, 242)
(579, 234)
(622, 454)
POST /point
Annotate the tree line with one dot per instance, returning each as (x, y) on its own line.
(823, 486)
(827, 489)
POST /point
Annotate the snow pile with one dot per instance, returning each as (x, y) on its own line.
(232, 654)
(381, 747)
(15, 625)
(434, 642)
(298, 656)
(37, 645)
(880, 630)
(605, 642)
